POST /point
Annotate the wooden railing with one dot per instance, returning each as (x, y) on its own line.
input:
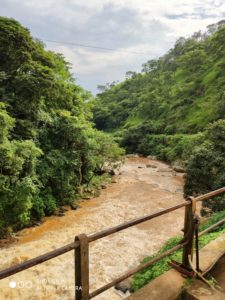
(82, 241)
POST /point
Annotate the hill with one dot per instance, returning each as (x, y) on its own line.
(175, 108)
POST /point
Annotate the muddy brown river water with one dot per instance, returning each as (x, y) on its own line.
(138, 190)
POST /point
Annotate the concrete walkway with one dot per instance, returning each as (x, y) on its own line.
(169, 285)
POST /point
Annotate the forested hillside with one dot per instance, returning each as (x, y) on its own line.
(175, 108)
(49, 151)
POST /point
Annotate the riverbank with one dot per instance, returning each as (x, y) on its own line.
(142, 187)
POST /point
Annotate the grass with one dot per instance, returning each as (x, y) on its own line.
(210, 76)
(133, 120)
(149, 274)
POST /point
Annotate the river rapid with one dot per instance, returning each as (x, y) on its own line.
(142, 187)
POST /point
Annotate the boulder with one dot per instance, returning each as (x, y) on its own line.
(59, 214)
(36, 223)
(152, 157)
(132, 155)
(151, 166)
(74, 206)
(112, 172)
(63, 209)
(124, 286)
(178, 169)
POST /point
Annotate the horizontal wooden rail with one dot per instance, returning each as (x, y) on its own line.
(103, 233)
(211, 227)
(137, 269)
(37, 260)
(210, 195)
(189, 205)
(93, 237)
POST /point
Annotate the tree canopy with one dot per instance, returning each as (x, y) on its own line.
(49, 148)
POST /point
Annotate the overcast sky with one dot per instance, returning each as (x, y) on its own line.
(142, 26)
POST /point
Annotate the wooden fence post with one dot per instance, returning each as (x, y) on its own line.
(82, 268)
(189, 229)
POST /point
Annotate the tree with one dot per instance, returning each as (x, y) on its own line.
(205, 169)
(18, 181)
(46, 153)
(130, 74)
(150, 66)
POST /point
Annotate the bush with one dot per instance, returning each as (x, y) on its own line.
(206, 166)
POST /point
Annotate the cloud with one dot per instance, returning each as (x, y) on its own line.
(211, 9)
(201, 15)
(128, 25)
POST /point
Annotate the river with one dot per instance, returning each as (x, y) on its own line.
(138, 190)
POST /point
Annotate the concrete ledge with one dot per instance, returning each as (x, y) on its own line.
(165, 287)
(169, 285)
(210, 252)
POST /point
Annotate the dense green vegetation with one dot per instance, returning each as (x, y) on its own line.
(50, 153)
(49, 150)
(147, 275)
(175, 109)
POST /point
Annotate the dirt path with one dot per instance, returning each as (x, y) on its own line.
(138, 190)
